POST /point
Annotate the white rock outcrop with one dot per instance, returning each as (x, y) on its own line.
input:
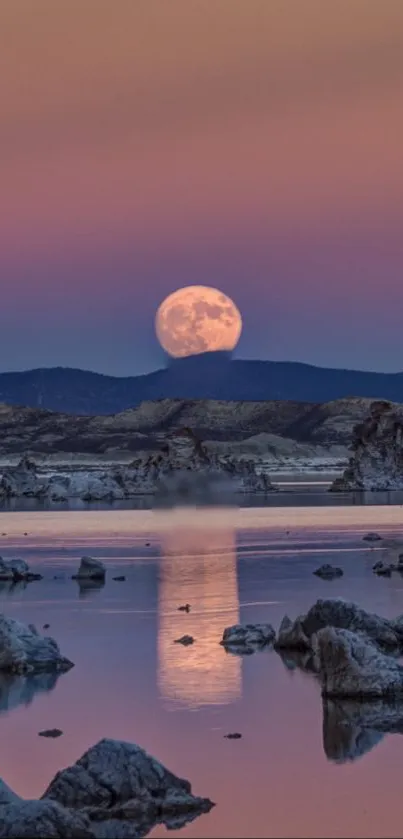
(352, 667)
(376, 461)
(23, 650)
(341, 614)
(182, 471)
(247, 637)
(114, 791)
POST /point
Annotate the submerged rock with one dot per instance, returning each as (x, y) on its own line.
(186, 640)
(23, 650)
(383, 570)
(50, 732)
(376, 462)
(351, 667)
(340, 614)
(16, 570)
(372, 537)
(248, 637)
(328, 572)
(90, 569)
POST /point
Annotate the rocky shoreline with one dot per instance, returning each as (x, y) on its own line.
(182, 471)
(376, 461)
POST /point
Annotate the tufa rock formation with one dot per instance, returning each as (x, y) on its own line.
(114, 791)
(23, 650)
(340, 614)
(351, 667)
(247, 638)
(181, 471)
(376, 462)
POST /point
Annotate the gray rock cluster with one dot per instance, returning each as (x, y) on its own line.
(247, 638)
(23, 650)
(16, 571)
(328, 572)
(114, 791)
(376, 461)
(340, 614)
(182, 471)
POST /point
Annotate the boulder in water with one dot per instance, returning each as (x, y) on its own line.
(23, 650)
(90, 569)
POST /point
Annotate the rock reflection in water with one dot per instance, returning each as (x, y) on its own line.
(198, 566)
(87, 588)
(351, 729)
(21, 690)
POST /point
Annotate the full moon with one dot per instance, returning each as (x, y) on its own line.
(197, 319)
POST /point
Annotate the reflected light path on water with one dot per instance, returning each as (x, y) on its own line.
(199, 567)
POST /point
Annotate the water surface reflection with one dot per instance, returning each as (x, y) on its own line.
(199, 567)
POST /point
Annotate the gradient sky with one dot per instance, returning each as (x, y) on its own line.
(251, 145)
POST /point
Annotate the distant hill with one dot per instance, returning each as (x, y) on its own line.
(146, 427)
(210, 376)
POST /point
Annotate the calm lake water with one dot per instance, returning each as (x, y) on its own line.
(132, 682)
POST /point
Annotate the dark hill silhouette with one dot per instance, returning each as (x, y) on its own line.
(208, 376)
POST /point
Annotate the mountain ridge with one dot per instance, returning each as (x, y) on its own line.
(210, 376)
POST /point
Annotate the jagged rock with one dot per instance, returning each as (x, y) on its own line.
(23, 650)
(182, 471)
(22, 819)
(16, 570)
(121, 787)
(22, 480)
(186, 640)
(376, 462)
(351, 667)
(372, 537)
(340, 614)
(90, 569)
(251, 636)
(292, 636)
(328, 572)
(114, 791)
